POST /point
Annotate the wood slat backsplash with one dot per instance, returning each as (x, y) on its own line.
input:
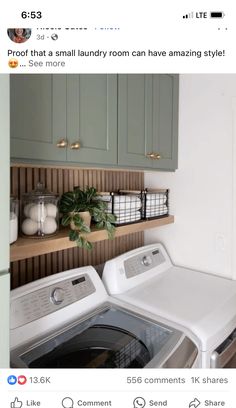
(28, 270)
(59, 180)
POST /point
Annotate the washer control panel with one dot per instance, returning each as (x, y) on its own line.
(42, 302)
(58, 296)
(139, 264)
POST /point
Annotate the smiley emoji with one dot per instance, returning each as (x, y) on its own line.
(13, 63)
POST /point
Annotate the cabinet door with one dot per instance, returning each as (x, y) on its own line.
(165, 121)
(92, 118)
(134, 120)
(148, 121)
(38, 116)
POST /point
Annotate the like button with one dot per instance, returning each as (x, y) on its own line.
(16, 403)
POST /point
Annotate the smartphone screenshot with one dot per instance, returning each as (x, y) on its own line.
(118, 204)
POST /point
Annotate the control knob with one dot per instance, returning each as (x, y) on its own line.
(146, 260)
(57, 296)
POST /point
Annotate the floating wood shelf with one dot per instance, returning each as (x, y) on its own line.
(29, 247)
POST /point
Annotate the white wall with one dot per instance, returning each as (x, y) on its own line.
(201, 190)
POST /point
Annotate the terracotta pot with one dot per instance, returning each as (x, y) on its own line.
(86, 217)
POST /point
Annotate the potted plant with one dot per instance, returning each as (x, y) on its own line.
(78, 207)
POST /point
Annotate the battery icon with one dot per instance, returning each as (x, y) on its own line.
(217, 14)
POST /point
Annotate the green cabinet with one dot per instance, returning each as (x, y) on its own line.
(92, 119)
(38, 116)
(96, 119)
(148, 121)
(64, 118)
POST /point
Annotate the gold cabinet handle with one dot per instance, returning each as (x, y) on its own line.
(75, 146)
(62, 143)
(153, 156)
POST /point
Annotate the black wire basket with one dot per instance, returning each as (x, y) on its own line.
(126, 205)
(155, 203)
(132, 206)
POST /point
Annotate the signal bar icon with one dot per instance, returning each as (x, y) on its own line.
(189, 15)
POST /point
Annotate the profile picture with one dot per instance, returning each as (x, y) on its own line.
(19, 35)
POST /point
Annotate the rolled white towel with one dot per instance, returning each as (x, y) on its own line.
(106, 198)
(125, 206)
(123, 213)
(156, 207)
(155, 199)
(122, 202)
(155, 212)
(128, 217)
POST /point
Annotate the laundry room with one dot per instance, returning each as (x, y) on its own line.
(152, 159)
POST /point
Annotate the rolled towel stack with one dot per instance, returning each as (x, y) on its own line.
(126, 208)
(156, 211)
(123, 217)
(155, 199)
(156, 204)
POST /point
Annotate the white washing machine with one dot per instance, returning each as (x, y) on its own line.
(200, 305)
(68, 320)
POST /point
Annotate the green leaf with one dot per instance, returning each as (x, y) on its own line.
(67, 203)
(111, 218)
(108, 225)
(85, 228)
(83, 243)
(79, 241)
(99, 225)
(66, 220)
(102, 205)
(77, 220)
(88, 245)
(111, 232)
(73, 235)
(96, 212)
(91, 192)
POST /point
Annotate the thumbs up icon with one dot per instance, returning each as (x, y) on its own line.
(16, 403)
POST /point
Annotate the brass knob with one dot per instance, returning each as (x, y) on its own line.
(62, 143)
(154, 156)
(75, 146)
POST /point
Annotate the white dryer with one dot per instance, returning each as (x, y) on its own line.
(201, 305)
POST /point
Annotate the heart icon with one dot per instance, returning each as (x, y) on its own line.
(22, 380)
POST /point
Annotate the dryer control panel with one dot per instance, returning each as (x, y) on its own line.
(139, 264)
(134, 268)
(42, 302)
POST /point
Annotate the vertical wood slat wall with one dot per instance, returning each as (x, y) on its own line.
(59, 180)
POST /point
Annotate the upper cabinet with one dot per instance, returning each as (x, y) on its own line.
(38, 116)
(64, 118)
(96, 119)
(92, 119)
(148, 121)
